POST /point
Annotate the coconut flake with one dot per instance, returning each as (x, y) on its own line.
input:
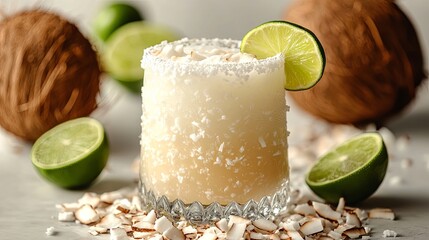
(325, 211)
(50, 231)
(311, 227)
(341, 205)
(389, 233)
(89, 198)
(236, 231)
(110, 221)
(162, 224)
(353, 219)
(236, 219)
(66, 217)
(86, 214)
(295, 235)
(118, 234)
(355, 232)
(144, 227)
(265, 225)
(304, 209)
(173, 233)
(382, 213)
(222, 224)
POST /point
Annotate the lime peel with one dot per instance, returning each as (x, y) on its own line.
(72, 154)
(353, 170)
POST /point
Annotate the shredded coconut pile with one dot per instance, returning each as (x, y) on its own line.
(121, 214)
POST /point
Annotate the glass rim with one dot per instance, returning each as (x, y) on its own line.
(242, 69)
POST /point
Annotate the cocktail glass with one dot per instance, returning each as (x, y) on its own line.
(214, 135)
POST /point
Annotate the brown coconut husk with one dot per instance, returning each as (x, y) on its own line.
(49, 73)
(374, 61)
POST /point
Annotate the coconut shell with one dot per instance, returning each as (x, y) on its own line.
(49, 73)
(374, 61)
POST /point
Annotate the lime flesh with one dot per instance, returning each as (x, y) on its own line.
(72, 154)
(303, 53)
(354, 170)
(124, 51)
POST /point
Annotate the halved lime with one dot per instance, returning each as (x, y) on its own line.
(72, 154)
(353, 170)
(124, 51)
(112, 16)
(303, 53)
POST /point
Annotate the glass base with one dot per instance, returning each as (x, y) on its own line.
(268, 207)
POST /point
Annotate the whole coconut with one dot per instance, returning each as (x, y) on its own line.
(49, 73)
(374, 61)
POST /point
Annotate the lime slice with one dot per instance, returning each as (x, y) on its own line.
(113, 16)
(72, 154)
(124, 51)
(353, 170)
(304, 55)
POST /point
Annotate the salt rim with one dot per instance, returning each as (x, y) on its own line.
(240, 69)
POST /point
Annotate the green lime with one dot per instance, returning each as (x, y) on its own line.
(72, 154)
(353, 170)
(124, 51)
(113, 16)
(303, 53)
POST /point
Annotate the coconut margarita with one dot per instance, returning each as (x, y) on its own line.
(213, 126)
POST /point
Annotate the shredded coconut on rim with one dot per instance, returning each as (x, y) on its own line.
(212, 56)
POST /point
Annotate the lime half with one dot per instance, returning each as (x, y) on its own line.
(72, 154)
(124, 51)
(353, 170)
(304, 55)
(113, 16)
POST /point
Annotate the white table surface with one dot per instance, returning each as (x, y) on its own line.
(27, 202)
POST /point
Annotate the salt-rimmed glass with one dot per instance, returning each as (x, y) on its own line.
(214, 136)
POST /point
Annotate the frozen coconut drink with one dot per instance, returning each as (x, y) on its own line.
(214, 136)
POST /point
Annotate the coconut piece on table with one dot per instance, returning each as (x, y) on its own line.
(290, 225)
(236, 231)
(98, 229)
(109, 221)
(189, 230)
(68, 207)
(343, 227)
(389, 233)
(295, 235)
(355, 232)
(50, 231)
(381, 213)
(143, 235)
(144, 227)
(222, 224)
(312, 226)
(353, 219)
(89, 198)
(66, 217)
(118, 234)
(236, 219)
(173, 233)
(150, 217)
(325, 211)
(208, 236)
(265, 225)
(162, 224)
(335, 235)
(341, 204)
(304, 209)
(86, 214)
(256, 236)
